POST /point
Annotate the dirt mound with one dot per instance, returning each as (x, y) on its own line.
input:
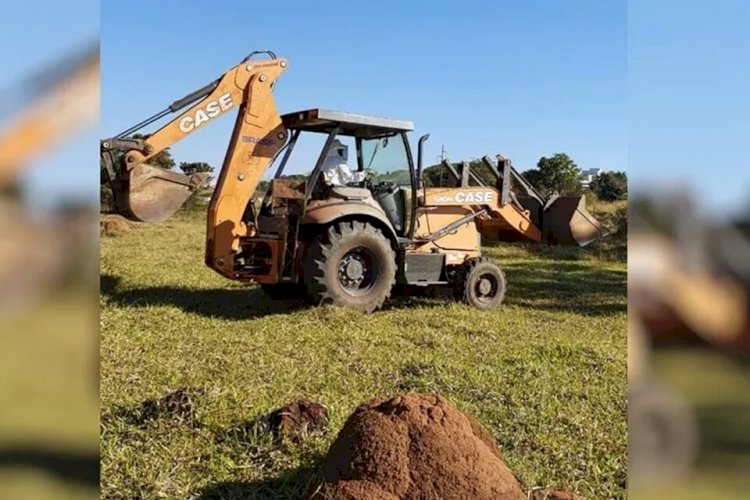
(179, 405)
(298, 418)
(114, 227)
(415, 446)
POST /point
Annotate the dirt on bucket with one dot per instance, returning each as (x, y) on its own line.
(414, 446)
(297, 419)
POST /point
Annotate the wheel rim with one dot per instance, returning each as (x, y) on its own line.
(486, 287)
(357, 271)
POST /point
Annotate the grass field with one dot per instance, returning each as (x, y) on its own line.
(717, 389)
(49, 398)
(546, 374)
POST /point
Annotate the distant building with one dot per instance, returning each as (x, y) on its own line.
(588, 175)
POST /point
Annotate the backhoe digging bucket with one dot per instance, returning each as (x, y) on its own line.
(154, 194)
(566, 221)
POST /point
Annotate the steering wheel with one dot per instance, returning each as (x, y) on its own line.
(369, 180)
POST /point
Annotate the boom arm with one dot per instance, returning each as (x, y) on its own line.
(144, 191)
(69, 103)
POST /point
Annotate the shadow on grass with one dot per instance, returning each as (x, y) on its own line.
(724, 434)
(291, 484)
(567, 286)
(611, 249)
(563, 285)
(228, 303)
(70, 466)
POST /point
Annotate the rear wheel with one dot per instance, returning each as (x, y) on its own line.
(481, 283)
(351, 265)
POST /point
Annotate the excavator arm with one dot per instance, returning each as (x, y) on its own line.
(65, 103)
(147, 193)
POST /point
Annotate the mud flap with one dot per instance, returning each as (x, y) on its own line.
(565, 221)
(154, 194)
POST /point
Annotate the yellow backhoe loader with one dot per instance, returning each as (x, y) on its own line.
(348, 244)
(58, 102)
(688, 285)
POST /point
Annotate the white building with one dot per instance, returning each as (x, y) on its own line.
(588, 175)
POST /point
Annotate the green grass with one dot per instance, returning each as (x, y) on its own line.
(49, 398)
(717, 388)
(546, 374)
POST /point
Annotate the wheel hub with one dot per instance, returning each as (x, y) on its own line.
(354, 269)
(485, 287)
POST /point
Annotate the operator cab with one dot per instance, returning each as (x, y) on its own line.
(381, 166)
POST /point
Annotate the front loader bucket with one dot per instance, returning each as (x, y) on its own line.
(566, 221)
(154, 194)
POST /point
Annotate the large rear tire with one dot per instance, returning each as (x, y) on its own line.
(481, 283)
(351, 265)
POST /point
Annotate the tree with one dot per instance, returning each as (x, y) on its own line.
(190, 168)
(198, 198)
(558, 174)
(439, 176)
(610, 186)
(162, 160)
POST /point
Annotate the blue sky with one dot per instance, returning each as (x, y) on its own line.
(661, 87)
(34, 34)
(525, 79)
(689, 99)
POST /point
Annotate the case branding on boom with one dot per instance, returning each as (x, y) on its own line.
(481, 197)
(462, 197)
(212, 109)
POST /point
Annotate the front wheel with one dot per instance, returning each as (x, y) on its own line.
(351, 265)
(663, 435)
(481, 283)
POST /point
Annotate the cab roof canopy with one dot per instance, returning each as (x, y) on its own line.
(350, 124)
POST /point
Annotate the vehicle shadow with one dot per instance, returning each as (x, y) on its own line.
(70, 466)
(291, 484)
(225, 303)
(723, 430)
(560, 286)
(608, 249)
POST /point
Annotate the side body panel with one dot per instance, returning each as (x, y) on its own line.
(459, 245)
(330, 209)
(497, 219)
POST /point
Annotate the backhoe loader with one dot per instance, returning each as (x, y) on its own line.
(346, 245)
(59, 102)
